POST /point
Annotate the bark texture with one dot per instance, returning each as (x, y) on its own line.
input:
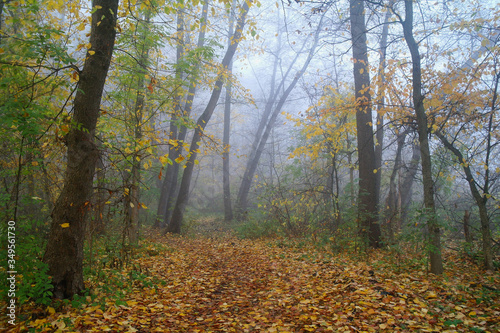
(434, 231)
(64, 252)
(368, 193)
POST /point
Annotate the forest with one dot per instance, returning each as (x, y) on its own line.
(250, 166)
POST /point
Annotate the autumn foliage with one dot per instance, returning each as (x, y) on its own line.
(220, 283)
(322, 149)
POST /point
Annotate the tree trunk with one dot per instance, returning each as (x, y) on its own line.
(406, 185)
(99, 202)
(379, 147)
(228, 211)
(423, 136)
(133, 223)
(467, 234)
(391, 215)
(64, 252)
(182, 199)
(351, 171)
(133, 227)
(367, 195)
(170, 182)
(169, 186)
(260, 142)
(480, 199)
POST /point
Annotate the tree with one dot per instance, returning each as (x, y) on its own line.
(34, 67)
(228, 211)
(469, 110)
(169, 186)
(381, 100)
(132, 203)
(274, 105)
(183, 196)
(480, 190)
(367, 195)
(64, 252)
(326, 129)
(436, 263)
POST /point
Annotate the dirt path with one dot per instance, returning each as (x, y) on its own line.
(231, 285)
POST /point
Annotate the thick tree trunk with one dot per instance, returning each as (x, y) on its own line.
(64, 252)
(367, 195)
(423, 136)
(182, 199)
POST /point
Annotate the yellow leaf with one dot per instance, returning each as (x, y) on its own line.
(431, 294)
(144, 206)
(81, 26)
(472, 314)
(51, 310)
(132, 205)
(59, 324)
(179, 159)
(65, 225)
(91, 52)
(165, 160)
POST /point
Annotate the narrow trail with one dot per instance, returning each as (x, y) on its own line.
(223, 284)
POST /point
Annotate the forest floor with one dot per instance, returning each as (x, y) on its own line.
(221, 283)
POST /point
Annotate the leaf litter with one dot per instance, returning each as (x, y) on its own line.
(225, 284)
